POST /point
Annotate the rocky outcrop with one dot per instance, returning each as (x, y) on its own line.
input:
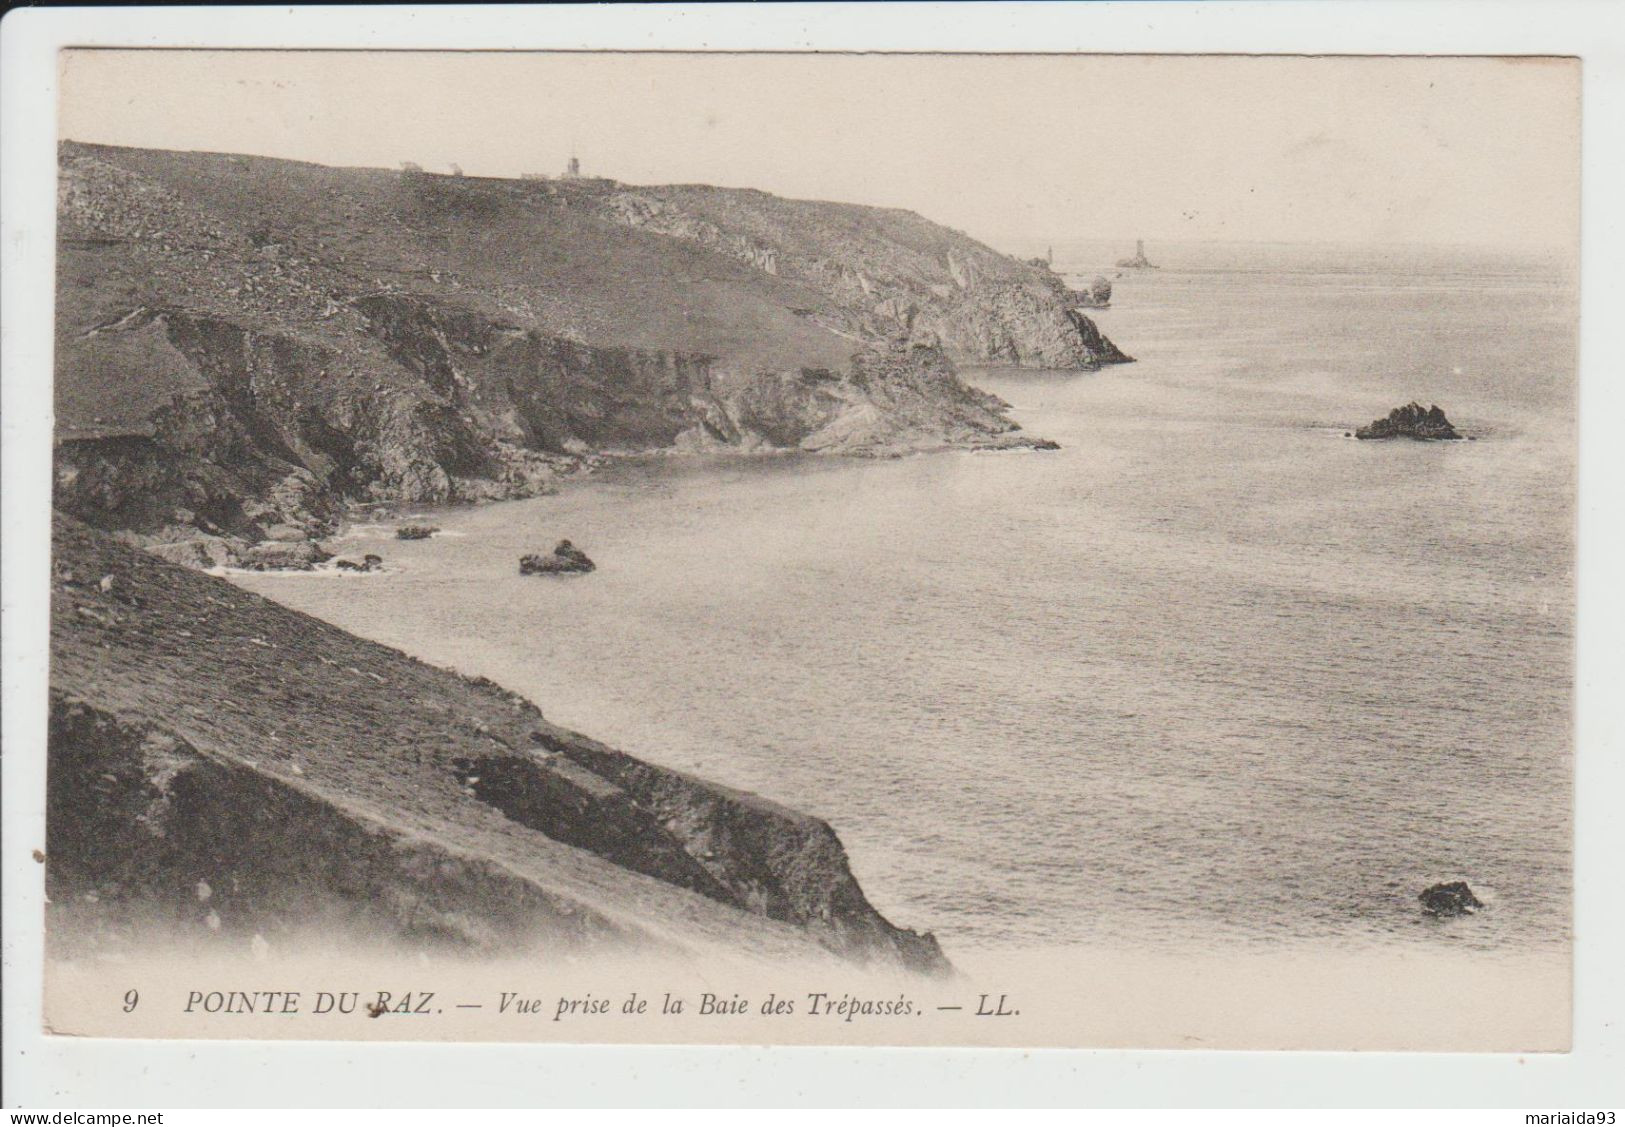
(1096, 342)
(260, 434)
(1097, 296)
(785, 865)
(415, 532)
(1450, 899)
(564, 559)
(1411, 421)
(223, 769)
(368, 563)
(278, 555)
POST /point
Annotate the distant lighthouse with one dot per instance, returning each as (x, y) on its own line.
(572, 171)
(1138, 262)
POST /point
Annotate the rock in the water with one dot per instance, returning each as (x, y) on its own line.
(274, 555)
(1410, 421)
(565, 558)
(369, 562)
(415, 532)
(1451, 899)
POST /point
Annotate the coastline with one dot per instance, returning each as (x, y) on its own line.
(222, 383)
(1138, 429)
(601, 466)
(255, 356)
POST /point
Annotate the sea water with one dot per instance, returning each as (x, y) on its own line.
(1212, 675)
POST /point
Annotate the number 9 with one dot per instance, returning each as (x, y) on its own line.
(131, 997)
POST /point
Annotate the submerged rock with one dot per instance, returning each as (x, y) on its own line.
(1450, 899)
(564, 559)
(415, 532)
(369, 562)
(1410, 421)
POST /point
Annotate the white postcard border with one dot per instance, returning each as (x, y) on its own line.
(67, 1072)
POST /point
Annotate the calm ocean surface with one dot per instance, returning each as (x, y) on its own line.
(1211, 673)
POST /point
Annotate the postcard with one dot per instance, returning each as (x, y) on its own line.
(829, 549)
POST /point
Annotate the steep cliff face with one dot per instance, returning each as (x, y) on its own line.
(246, 344)
(221, 768)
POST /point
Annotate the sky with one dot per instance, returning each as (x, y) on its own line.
(1223, 148)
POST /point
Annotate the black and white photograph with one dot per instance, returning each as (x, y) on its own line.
(1042, 550)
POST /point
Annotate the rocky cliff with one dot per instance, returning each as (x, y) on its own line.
(225, 772)
(246, 344)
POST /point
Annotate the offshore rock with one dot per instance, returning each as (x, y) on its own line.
(1411, 421)
(369, 562)
(415, 532)
(565, 559)
(1450, 899)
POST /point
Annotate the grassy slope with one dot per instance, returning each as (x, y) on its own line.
(270, 244)
(886, 241)
(322, 724)
(507, 249)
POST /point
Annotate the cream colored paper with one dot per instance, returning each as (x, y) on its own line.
(1369, 152)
